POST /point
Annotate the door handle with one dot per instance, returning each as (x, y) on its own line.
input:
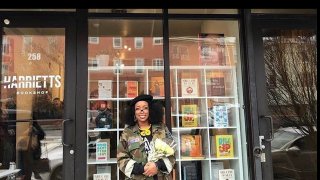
(63, 124)
(271, 123)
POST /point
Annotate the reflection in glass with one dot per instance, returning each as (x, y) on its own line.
(291, 76)
(125, 58)
(32, 87)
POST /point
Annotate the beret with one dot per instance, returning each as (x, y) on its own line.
(142, 97)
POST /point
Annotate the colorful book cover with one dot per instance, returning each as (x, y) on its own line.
(157, 86)
(108, 147)
(216, 86)
(132, 89)
(226, 174)
(102, 176)
(189, 87)
(104, 88)
(224, 146)
(220, 116)
(101, 151)
(191, 146)
(215, 167)
(189, 115)
(211, 49)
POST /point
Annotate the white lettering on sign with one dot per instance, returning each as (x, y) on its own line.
(37, 81)
(34, 56)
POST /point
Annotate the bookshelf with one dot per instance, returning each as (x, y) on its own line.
(218, 78)
(204, 101)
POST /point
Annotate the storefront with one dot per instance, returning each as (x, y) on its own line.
(69, 75)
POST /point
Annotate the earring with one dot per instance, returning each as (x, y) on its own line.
(135, 119)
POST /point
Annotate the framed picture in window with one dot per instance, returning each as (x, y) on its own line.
(211, 49)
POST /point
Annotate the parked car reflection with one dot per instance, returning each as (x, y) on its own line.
(53, 150)
(294, 155)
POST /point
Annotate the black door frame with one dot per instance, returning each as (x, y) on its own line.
(256, 80)
(67, 21)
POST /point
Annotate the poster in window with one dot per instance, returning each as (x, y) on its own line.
(189, 87)
(211, 49)
(157, 86)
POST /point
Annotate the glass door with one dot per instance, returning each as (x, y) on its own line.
(37, 101)
(286, 78)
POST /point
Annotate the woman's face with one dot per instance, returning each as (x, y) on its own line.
(142, 111)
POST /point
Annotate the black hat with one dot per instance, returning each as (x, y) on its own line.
(142, 97)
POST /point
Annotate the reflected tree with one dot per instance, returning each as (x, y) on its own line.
(291, 66)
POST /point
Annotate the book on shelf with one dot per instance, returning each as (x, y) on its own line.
(104, 88)
(191, 146)
(103, 168)
(218, 116)
(132, 89)
(190, 171)
(211, 49)
(107, 140)
(189, 115)
(189, 87)
(102, 176)
(101, 151)
(157, 86)
(215, 167)
(226, 174)
(216, 86)
(224, 146)
(213, 149)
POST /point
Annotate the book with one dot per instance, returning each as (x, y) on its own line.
(189, 115)
(191, 146)
(132, 89)
(101, 151)
(104, 88)
(215, 167)
(224, 146)
(211, 49)
(102, 176)
(213, 149)
(189, 87)
(226, 174)
(218, 116)
(157, 86)
(108, 147)
(190, 172)
(216, 86)
(103, 168)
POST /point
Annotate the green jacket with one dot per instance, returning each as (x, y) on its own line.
(131, 150)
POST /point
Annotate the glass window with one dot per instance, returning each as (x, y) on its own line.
(138, 42)
(157, 64)
(139, 65)
(117, 42)
(202, 11)
(206, 96)
(120, 67)
(32, 96)
(123, 11)
(157, 41)
(93, 40)
(284, 11)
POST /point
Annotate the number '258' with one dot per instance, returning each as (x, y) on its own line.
(34, 56)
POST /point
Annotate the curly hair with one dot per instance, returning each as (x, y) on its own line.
(155, 110)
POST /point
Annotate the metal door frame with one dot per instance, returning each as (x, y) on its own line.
(260, 124)
(64, 20)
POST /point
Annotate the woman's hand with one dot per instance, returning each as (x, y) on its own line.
(150, 169)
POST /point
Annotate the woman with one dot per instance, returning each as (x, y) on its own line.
(144, 120)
